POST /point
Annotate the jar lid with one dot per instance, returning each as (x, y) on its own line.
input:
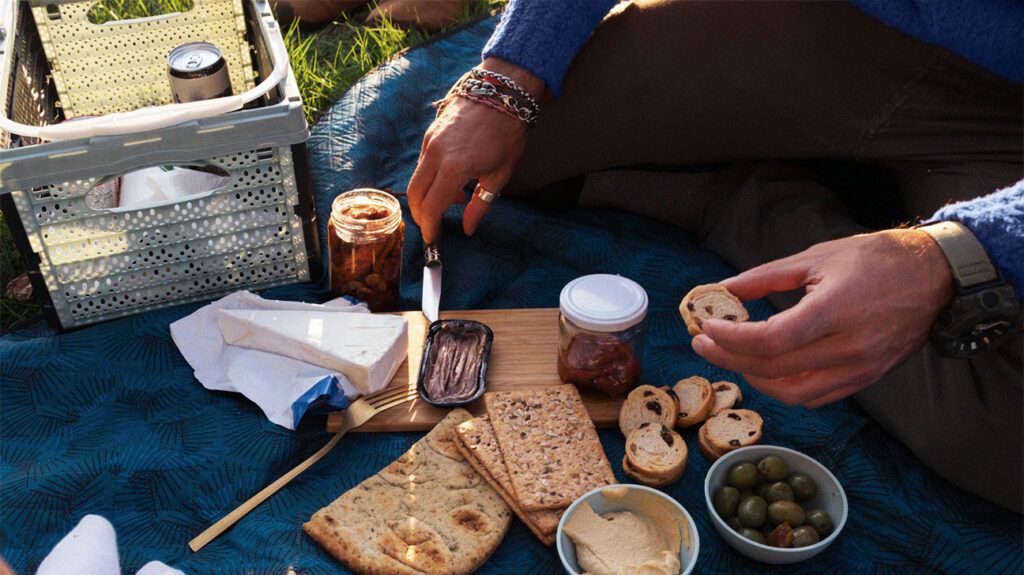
(603, 302)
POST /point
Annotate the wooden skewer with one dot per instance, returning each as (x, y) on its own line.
(214, 531)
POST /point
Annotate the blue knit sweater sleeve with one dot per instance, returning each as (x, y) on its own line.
(543, 36)
(989, 33)
(998, 222)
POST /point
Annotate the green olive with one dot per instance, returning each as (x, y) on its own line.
(805, 535)
(726, 499)
(742, 475)
(746, 493)
(734, 523)
(752, 511)
(773, 468)
(778, 491)
(762, 490)
(803, 486)
(786, 511)
(820, 521)
(754, 535)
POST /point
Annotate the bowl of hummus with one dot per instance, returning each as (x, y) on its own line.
(626, 530)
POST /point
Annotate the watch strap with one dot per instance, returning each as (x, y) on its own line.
(970, 264)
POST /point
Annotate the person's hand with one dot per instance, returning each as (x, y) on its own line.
(870, 301)
(468, 141)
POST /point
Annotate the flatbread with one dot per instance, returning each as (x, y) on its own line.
(478, 444)
(428, 512)
(549, 444)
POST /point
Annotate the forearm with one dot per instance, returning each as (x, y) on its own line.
(532, 84)
(543, 36)
(997, 220)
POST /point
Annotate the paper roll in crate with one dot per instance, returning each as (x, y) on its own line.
(92, 263)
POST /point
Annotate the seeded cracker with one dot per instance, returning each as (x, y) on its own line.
(477, 443)
(549, 445)
(428, 512)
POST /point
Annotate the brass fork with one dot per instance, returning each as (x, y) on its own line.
(358, 413)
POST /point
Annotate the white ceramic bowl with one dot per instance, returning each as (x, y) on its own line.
(830, 497)
(601, 503)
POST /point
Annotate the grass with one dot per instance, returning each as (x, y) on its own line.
(110, 10)
(325, 63)
(328, 62)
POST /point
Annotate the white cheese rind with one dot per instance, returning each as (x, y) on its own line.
(366, 348)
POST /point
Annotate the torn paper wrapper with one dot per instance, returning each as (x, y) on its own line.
(283, 387)
(163, 184)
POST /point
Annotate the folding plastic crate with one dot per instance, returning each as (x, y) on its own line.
(90, 261)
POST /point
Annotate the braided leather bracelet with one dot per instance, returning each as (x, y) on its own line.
(495, 90)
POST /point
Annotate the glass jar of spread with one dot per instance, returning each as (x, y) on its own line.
(365, 235)
(601, 329)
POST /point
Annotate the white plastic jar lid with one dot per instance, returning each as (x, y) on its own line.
(603, 302)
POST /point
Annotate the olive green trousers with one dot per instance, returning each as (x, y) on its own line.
(765, 91)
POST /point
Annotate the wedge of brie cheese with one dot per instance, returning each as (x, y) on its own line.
(365, 348)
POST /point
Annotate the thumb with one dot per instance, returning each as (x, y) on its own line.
(775, 276)
(477, 208)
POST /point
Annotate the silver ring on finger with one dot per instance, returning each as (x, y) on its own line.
(484, 195)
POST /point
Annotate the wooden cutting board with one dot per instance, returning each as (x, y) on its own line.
(524, 355)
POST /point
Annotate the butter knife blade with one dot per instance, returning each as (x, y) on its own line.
(431, 302)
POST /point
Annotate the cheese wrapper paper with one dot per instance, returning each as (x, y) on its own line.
(285, 388)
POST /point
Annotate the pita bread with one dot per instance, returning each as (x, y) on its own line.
(428, 512)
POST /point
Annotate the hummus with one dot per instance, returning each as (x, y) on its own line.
(624, 542)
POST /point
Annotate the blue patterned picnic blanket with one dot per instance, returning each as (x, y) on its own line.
(109, 420)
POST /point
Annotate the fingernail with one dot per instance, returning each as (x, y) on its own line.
(698, 344)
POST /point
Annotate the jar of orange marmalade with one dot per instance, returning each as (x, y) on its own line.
(365, 235)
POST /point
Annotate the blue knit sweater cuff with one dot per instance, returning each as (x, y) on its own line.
(997, 220)
(543, 36)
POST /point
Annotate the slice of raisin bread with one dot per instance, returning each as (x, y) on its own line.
(649, 480)
(655, 455)
(733, 428)
(696, 400)
(648, 404)
(727, 396)
(656, 451)
(710, 301)
(709, 452)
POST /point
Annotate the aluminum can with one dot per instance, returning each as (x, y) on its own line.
(197, 71)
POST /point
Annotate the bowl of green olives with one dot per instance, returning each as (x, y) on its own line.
(774, 504)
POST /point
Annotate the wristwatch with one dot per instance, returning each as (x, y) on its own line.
(985, 310)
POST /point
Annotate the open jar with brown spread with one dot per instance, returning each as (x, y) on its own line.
(601, 333)
(365, 242)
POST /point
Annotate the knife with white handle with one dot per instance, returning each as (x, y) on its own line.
(431, 282)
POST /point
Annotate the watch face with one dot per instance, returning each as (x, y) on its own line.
(983, 335)
(976, 322)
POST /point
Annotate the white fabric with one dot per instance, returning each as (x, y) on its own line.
(158, 568)
(91, 549)
(270, 381)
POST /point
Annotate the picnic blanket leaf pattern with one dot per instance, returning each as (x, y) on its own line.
(109, 419)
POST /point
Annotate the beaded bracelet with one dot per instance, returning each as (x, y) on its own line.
(495, 90)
